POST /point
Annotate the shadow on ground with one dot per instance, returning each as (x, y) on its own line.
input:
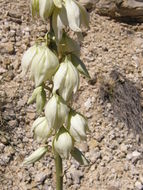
(125, 99)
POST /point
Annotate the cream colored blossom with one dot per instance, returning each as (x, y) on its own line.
(56, 112)
(41, 129)
(63, 143)
(41, 62)
(77, 126)
(66, 79)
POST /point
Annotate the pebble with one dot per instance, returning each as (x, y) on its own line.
(138, 185)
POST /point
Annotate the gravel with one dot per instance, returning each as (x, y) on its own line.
(115, 152)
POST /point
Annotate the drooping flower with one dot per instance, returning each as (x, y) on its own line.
(66, 79)
(41, 129)
(76, 15)
(77, 126)
(63, 143)
(36, 155)
(56, 112)
(41, 62)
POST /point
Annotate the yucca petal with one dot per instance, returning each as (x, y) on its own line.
(51, 111)
(41, 129)
(78, 126)
(59, 21)
(28, 58)
(63, 111)
(58, 3)
(84, 16)
(35, 62)
(45, 8)
(59, 76)
(73, 15)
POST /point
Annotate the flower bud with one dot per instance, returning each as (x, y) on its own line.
(44, 8)
(41, 129)
(63, 143)
(66, 80)
(36, 155)
(56, 112)
(41, 62)
(77, 126)
(39, 95)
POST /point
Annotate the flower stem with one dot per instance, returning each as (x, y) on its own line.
(59, 172)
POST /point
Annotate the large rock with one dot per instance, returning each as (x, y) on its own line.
(130, 9)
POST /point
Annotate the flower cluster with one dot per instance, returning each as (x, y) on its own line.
(57, 70)
(63, 12)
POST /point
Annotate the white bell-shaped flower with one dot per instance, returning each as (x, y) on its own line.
(77, 126)
(42, 63)
(36, 155)
(41, 129)
(56, 112)
(76, 15)
(66, 79)
(63, 143)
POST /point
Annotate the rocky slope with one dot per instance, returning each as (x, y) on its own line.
(111, 102)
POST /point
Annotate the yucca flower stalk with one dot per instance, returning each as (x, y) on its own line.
(54, 65)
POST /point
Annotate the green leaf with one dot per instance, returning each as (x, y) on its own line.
(79, 65)
(78, 156)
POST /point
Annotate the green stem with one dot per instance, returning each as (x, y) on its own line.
(59, 172)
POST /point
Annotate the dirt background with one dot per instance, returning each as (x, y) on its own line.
(111, 100)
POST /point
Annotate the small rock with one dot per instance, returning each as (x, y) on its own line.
(136, 154)
(138, 185)
(88, 104)
(41, 177)
(76, 176)
(7, 48)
